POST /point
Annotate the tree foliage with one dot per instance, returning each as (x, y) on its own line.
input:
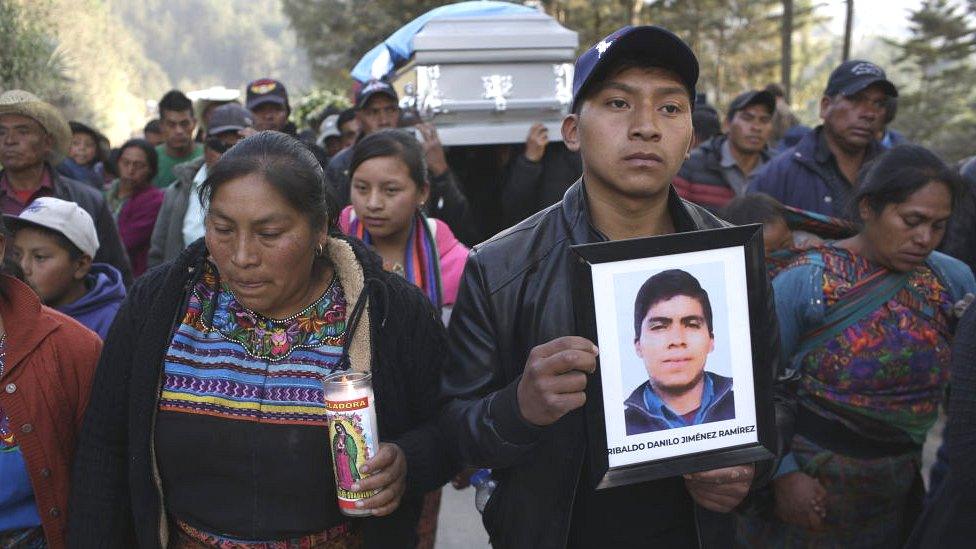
(30, 58)
(336, 33)
(936, 104)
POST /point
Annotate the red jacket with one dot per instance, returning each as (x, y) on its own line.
(50, 361)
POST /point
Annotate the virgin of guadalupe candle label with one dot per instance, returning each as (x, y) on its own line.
(353, 441)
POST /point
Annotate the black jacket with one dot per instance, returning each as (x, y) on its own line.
(532, 186)
(960, 238)
(110, 249)
(116, 497)
(516, 294)
(949, 519)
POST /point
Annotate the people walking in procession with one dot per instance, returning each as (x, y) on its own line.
(221, 354)
(867, 323)
(181, 217)
(32, 134)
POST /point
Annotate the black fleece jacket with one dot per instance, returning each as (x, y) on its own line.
(116, 499)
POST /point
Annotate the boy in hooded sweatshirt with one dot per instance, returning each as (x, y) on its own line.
(54, 242)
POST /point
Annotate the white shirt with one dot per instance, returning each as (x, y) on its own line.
(193, 219)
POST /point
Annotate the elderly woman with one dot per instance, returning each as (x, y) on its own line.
(867, 323)
(208, 425)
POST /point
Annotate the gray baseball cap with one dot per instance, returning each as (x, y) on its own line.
(230, 117)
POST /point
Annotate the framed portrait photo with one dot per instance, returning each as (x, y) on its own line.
(682, 383)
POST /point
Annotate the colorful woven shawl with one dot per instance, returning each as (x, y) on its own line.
(421, 258)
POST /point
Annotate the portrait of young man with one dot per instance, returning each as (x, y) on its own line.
(674, 335)
(519, 373)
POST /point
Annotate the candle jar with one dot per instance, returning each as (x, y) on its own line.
(352, 434)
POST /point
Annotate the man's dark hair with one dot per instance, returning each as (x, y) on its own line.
(752, 208)
(286, 164)
(706, 123)
(152, 127)
(394, 143)
(151, 157)
(662, 287)
(891, 109)
(345, 116)
(775, 89)
(900, 171)
(623, 63)
(175, 101)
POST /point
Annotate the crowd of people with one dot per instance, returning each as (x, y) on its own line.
(170, 307)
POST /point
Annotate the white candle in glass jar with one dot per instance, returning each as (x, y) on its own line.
(353, 438)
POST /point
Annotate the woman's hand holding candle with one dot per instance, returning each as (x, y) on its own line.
(387, 473)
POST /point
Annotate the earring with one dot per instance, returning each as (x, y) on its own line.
(320, 251)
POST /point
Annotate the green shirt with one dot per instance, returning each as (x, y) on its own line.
(166, 162)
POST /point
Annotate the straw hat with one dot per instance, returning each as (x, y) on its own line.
(27, 104)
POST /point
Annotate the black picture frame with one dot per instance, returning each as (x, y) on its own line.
(749, 237)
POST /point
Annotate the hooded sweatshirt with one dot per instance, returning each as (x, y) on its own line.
(97, 308)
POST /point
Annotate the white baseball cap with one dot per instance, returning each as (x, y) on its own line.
(60, 216)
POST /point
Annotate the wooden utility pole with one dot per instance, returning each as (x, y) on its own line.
(786, 49)
(848, 30)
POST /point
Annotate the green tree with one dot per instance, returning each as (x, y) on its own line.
(336, 42)
(935, 108)
(30, 58)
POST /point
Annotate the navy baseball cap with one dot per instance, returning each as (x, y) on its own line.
(853, 76)
(264, 91)
(372, 88)
(657, 44)
(750, 98)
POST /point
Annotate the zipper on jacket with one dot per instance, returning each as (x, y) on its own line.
(157, 479)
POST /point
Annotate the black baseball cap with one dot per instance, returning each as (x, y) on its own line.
(853, 76)
(229, 117)
(264, 91)
(372, 88)
(656, 43)
(750, 98)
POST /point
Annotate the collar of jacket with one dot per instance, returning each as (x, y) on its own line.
(25, 326)
(358, 273)
(812, 151)
(576, 214)
(186, 171)
(721, 386)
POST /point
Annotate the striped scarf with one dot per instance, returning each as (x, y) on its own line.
(421, 258)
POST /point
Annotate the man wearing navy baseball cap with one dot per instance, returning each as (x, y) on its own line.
(819, 173)
(519, 374)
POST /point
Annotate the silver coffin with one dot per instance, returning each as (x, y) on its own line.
(486, 80)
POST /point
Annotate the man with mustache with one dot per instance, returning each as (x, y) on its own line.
(673, 335)
(719, 169)
(820, 172)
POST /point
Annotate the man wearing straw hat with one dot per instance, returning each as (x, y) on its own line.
(32, 135)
